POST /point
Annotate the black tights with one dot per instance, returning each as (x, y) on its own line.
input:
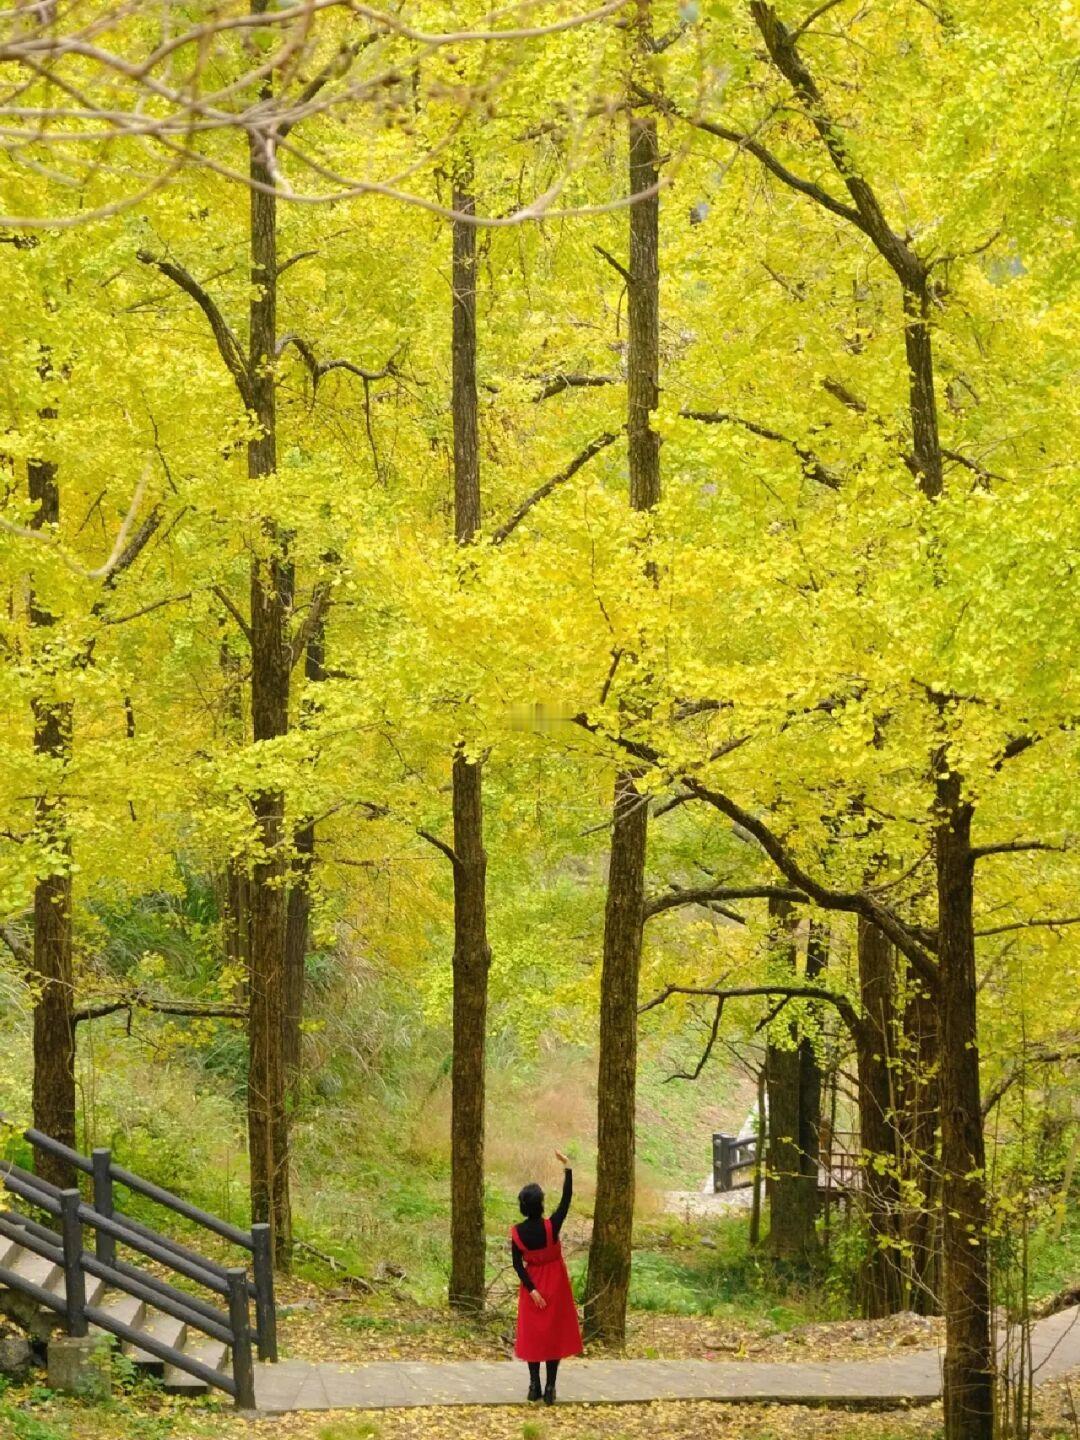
(552, 1371)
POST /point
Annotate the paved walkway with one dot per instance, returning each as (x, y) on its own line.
(890, 1383)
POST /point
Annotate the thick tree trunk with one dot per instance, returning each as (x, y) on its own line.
(608, 1285)
(271, 597)
(52, 977)
(472, 962)
(613, 1214)
(793, 1186)
(969, 1372)
(472, 954)
(881, 1281)
(922, 401)
(919, 1117)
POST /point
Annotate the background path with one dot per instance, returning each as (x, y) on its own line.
(888, 1383)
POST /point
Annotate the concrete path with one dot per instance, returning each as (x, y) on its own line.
(888, 1383)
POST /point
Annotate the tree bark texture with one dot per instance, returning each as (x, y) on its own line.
(472, 953)
(817, 958)
(792, 1184)
(969, 1373)
(608, 1284)
(235, 905)
(298, 920)
(919, 1117)
(472, 962)
(881, 1281)
(53, 1096)
(271, 597)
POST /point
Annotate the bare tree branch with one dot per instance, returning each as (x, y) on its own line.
(1012, 847)
(916, 942)
(560, 381)
(1038, 1055)
(320, 603)
(615, 265)
(160, 1007)
(223, 596)
(1041, 923)
(709, 894)
(843, 1006)
(813, 468)
(228, 345)
(318, 368)
(713, 1033)
(439, 845)
(760, 153)
(18, 943)
(783, 51)
(593, 448)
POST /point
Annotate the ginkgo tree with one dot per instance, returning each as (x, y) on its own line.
(811, 270)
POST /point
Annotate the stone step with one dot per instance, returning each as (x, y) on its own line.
(36, 1269)
(124, 1308)
(164, 1328)
(94, 1287)
(210, 1352)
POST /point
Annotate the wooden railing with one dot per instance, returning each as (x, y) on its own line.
(65, 1248)
(735, 1160)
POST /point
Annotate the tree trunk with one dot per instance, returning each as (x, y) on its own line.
(235, 906)
(817, 958)
(297, 926)
(608, 1285)
(759, 1161)
(919, 1116)
(52, 978)
(298, 921)
(271, 596)
(881, 1281)
(472, 954)
(969, 1371)
(613, 1214)
(472, 962)
(793, 1188)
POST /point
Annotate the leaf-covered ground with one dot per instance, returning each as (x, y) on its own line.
(147, 1415)
(341, 1326)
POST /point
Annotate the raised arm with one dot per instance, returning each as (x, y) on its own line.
(559, 1213)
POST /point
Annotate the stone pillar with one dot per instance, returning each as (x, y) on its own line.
(80, 1365)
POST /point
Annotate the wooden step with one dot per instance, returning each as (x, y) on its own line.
(164, 1328)
(210, 1352)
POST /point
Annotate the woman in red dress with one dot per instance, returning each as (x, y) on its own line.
(547, 1327)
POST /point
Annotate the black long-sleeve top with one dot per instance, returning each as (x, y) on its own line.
(532, 1231)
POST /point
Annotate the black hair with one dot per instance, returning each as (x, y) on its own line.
(531, 1201)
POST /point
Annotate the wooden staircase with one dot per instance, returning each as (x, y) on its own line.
(49, 1279)
(17, 1261)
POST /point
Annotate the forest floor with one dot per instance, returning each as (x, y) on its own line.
(144, 1413)
(334, 1326)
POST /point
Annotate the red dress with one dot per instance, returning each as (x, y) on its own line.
(552, 1333)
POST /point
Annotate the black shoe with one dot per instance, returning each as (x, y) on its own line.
(534, 1390)
(549, 1395)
